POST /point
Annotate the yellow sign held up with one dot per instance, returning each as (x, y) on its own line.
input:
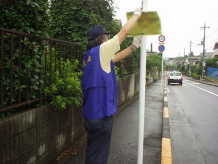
(148, 24)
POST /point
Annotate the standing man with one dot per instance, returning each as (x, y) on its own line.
(100, 88)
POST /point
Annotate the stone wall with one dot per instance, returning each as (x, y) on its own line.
(40, 135)
(128, 87)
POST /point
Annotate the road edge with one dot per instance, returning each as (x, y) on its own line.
(166, 150)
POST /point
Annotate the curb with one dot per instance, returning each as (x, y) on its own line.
(166, 153)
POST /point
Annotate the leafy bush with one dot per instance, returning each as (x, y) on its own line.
(22, 78)
(212, 63)
(153, 65)
(65, 88)
(196, 76)
(25, 16)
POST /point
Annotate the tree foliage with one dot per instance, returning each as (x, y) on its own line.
(212, 63)
(70, 19)
(25, 15)
(153, 65)
(154, 61)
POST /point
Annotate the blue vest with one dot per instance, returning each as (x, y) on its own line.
(99, 88)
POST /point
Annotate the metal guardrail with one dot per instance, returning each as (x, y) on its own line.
(27, 63)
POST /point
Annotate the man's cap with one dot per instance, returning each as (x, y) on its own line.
(96, 31)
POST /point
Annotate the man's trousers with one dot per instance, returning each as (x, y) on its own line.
(98, 139)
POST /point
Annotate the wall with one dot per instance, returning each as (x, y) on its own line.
(212, 72)
(40, 135)
(128, 87)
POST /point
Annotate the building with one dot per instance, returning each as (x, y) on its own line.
(207, 55)
(151, 51)
(194, 61)
(215, 54)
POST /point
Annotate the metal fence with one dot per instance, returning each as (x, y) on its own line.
(212, 72)
(27, 64)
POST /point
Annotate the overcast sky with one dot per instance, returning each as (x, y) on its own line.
(181, 23)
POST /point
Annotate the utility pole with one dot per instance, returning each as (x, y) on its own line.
(184, 52)
(180, 61)
(190, 44)
(203, 62)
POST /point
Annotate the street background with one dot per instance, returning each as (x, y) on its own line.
(193, 120)
(125, 133)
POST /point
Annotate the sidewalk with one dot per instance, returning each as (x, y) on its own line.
(125, 133)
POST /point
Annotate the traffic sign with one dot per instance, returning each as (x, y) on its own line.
(161, 48)
(161, 38)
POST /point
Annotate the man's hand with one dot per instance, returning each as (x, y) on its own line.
(137, 41)
(138, 11)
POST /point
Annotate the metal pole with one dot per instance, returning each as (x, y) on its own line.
(202, 71)
(161, 91)
(142, 94)
(203, 58)
(190, 60)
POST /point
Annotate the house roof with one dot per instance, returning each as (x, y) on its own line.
(215, 46)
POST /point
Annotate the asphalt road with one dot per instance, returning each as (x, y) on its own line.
(193, 109)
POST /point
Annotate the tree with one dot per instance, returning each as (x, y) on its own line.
(212, 63)
(154, 61)
(70, 19)
(25, 16)
(153, 64)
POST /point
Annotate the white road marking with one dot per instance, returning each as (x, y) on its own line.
(202, 89)
(192, 82)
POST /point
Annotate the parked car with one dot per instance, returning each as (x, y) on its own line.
(175, 77)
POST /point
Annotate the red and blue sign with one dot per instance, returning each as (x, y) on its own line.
(161, 48)
(161, 38)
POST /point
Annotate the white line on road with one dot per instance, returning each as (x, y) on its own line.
(202, 89)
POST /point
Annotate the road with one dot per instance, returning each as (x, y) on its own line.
(193, 109)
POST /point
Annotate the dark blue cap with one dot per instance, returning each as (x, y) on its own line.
(96, 31)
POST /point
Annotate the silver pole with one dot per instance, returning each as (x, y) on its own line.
(142, 94)
(161, 91)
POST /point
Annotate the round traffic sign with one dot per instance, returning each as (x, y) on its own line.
(161, 48)
(161, 38)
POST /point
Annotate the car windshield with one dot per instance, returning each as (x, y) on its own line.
(175, 74)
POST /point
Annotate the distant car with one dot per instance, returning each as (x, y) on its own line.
(175, 77)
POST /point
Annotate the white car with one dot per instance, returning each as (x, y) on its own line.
(175, 77)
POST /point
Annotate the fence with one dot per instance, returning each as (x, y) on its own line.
(27, 65)
(212, 72)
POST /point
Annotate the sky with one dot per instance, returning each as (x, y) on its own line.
(181, 22)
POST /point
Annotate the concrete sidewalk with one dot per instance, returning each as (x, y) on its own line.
(124, 142)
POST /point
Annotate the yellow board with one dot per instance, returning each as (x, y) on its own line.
(148, 24)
